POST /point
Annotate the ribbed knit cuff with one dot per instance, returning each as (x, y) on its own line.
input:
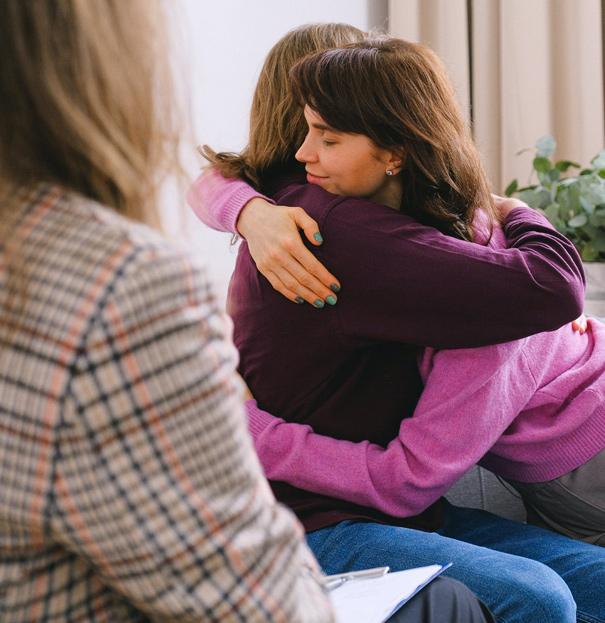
(237, 202)
(258, 420)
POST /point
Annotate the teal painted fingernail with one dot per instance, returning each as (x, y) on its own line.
(318, 237)
(330, 299)
(299, 300)
(319, 303)
(335, 288)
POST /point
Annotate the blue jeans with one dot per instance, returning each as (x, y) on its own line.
(524, 574)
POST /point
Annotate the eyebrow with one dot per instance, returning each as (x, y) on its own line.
(324, 127)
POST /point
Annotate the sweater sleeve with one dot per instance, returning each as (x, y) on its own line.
(217, 201)
(404, 282)
(459, 417)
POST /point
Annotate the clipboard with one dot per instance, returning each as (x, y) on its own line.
(375, 599)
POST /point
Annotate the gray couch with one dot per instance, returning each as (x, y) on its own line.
(479, 488)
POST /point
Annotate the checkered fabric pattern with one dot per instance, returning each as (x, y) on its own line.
(129, 488)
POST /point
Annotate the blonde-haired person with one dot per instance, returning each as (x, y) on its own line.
(130, 489)
(277, 122)
(389, 128)
(277, 129)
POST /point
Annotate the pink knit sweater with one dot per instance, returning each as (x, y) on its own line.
(529, 410)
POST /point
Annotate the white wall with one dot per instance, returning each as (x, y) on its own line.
(227, 41)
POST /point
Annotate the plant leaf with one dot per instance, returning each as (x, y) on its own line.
(552, 213)
(588, 252)
(599, 241)
(564, 165)
(587, 206)
(546, 146)
(538, 197)
(542, 165)
(578, 221)
(595, 192)
(511, 188)
(599, 162)
(569, 199)
(597, 218)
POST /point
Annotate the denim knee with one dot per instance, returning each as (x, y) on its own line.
(544, 598)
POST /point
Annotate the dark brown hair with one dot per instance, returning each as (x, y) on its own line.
(277, 123)
(86, 100)
(399, 94)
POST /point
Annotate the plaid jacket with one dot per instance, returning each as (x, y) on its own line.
(129, 489)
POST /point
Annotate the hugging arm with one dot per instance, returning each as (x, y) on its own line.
(272, 233)
(452, 428)
(430, 295)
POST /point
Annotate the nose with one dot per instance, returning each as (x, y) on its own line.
(305, 153)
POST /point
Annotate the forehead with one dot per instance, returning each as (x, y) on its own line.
(316, 121)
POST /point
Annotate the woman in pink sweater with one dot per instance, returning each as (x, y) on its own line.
(531, 411)
(506, 582)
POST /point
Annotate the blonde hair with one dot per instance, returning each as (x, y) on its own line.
(84, 100)
(277, 123)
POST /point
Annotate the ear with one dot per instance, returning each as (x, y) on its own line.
(395, 161)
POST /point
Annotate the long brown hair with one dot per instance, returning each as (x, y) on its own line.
(399, 94)
(277, 123)
(85, 90)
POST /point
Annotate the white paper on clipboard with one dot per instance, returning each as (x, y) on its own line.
(374, 600)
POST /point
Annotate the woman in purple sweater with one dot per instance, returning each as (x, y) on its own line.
(406, 283)
(531, 411)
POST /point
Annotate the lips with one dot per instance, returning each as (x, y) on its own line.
(314, 179)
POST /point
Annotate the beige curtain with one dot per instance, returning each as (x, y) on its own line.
(523, 69)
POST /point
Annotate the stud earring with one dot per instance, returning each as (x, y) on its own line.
(389, 172)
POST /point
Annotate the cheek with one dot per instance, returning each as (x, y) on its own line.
(371, 175)
(353, 175)
(354, 171)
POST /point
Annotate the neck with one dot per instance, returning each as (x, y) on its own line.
(390, 194)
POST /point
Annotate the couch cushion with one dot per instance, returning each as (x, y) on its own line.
(479, 488)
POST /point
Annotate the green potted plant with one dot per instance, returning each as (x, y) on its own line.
(573, 200)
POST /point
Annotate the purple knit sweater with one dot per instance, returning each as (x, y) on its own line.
(348, 373)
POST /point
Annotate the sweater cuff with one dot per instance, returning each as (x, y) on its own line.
(237, 203)
(258, 420)
(218, 201)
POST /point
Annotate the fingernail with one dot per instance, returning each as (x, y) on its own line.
(299, 300)
(335, 288)
(318, 237)
(319, 303)
(330, 299)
